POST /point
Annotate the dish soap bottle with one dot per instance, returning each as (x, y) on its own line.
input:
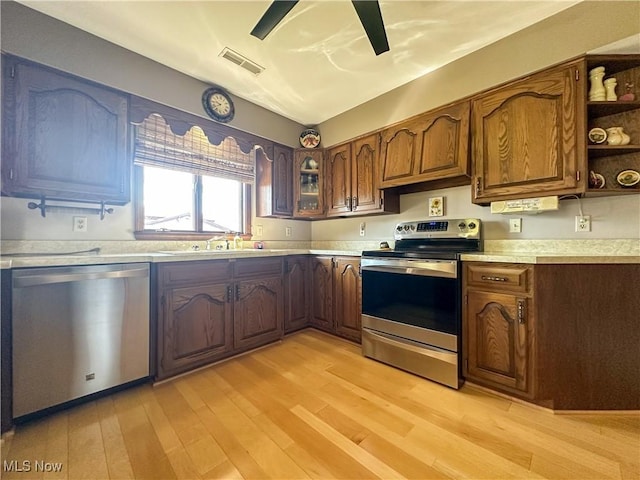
(237, 242)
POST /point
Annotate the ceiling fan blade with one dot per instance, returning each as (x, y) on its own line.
(272, 17)
(371, 19)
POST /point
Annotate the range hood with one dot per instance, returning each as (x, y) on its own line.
(525, 205)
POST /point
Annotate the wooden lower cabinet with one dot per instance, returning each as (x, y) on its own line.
(197, 327)
(348, 298)
(258, 312)
(336, 300)
(209, 310)
(297, 293)
(564, 336)
(497, 333)
(322, 293)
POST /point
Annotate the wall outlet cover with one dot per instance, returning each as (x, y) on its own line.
(80, 224)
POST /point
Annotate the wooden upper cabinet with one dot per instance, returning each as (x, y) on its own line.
(274, 183)
(308, 179)
(525, 137)
(433, 146)
(63, 137)
(353, 180)
(339, 176)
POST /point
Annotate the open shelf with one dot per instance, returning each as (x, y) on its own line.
(597, 151)
(603, 109)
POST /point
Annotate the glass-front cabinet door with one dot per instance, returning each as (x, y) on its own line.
(309, 178)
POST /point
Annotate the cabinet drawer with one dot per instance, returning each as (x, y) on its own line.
(258, 267)
(194, 273)
(499, 277)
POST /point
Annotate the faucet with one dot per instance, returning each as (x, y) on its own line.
(213, 239)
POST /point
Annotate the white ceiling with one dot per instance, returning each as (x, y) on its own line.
(318, 61)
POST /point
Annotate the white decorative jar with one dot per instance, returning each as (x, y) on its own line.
(597, 92)
(617, 136)
(610, 89)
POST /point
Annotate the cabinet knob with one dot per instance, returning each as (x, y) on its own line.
(355, 203)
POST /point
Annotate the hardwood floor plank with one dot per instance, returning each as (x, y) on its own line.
(87, 458)
(118, 462)
(206, 454)
(182, 464)
(167, 436)
(183, 419)
(313, 407)
(398, 459)
(57, 449)
(146, 454)
(379, 468)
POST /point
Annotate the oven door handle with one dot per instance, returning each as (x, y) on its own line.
(442, 270)
(435, 352)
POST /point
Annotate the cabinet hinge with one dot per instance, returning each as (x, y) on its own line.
(360, 270)
(11, 174)
(578, 176)
(162, 301)
(12, 74)
(466, 299)
(577, 74)
(381, 201)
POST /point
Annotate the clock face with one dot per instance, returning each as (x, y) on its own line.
(218, 104)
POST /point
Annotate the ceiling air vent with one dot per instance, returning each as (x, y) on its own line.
(241, 61)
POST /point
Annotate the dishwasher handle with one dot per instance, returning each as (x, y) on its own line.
(76, 275)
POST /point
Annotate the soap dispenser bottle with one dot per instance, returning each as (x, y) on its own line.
(237, 242)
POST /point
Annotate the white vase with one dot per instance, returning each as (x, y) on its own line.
(597, 92)
(617, 136)
(610, 89)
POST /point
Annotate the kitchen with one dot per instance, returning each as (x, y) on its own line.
(615, 219)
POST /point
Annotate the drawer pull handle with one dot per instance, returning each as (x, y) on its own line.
(521, 311)
(494, 279)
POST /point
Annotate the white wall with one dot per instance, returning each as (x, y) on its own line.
(580, 29)
(611, 217)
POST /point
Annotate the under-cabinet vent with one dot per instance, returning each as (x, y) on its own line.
(241, 61)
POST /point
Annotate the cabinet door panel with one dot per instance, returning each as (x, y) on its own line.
(258, 312)
(322, 293)
(445, 143)
(497, 343)
(274, 182)
(339, 180)
(365, 175)
(68, 138)
(525, 137)
(297, 290)
(348, 299)
(398, 152)
(195, 327)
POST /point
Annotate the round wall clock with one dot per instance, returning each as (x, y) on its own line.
(218, 104)
(310, 138)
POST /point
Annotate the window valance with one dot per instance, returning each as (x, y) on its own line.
(157, 145)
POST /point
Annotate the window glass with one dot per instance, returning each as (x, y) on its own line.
(221, 205)
(168, 200)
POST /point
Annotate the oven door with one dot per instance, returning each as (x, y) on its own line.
(411, 317)
(420, 293)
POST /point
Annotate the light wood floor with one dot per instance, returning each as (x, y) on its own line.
(313, 407)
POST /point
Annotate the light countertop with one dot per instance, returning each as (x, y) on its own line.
(52, 260)
(548, 258)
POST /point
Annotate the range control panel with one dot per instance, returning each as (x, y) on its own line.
(459, 228)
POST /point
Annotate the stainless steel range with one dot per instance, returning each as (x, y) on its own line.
(411, 298)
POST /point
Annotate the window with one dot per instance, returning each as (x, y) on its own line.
(187, 187)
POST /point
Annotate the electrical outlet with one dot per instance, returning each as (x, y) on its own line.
(287, 231)
(583, 223)
(259, 231)
(515, 225)
(362, 229)
(80, 224)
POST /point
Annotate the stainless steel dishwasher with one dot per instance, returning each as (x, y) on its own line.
(77, 331)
